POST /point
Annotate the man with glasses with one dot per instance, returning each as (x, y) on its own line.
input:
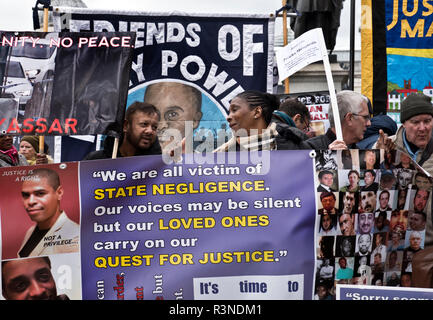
(294, 113)
(354, 119)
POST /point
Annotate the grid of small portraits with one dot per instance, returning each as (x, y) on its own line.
(372, 212)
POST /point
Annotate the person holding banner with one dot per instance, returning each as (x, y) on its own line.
(354, 119)
(9, 156)
(53, 232)
(29, 147)
(250, 116)
(139, 134)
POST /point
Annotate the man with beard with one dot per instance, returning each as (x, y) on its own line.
(368, 201)
(29, 279)
(138, 136)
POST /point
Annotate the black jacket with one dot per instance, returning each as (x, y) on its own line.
(289, 138)
(323, 141)
(107, 152)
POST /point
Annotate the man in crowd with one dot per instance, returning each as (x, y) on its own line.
(294, 113)
(370, 184)
(354, 118)
(348, 202)
(139, 134)
(420, 200)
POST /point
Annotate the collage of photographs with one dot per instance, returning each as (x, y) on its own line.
(372, 212)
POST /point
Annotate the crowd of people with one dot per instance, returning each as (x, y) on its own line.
(259, 121)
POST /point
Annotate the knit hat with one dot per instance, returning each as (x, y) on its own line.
(415, 104)
(34, 141)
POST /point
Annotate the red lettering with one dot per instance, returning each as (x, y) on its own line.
(14, 127)
(41, 125)
(2, 120)
(55, 126)
(27, 125)
(70, 123)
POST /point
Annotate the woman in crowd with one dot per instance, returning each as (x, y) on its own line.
(250, 118)
(29, 147)
(9, 156)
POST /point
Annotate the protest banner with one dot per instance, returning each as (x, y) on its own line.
(67, 83)
(188, 65)
(317, 104)
(373, 211)
(402, 49)
(354, 293)
(237, 227)
(304, 50)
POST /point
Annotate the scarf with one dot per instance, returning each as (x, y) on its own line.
(12, 153)
(257, 142)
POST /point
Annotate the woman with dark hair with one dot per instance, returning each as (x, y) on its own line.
(250, 116)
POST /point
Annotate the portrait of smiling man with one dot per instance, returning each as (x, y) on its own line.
(53, 232)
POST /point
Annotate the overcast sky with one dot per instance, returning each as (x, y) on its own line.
(16, 15)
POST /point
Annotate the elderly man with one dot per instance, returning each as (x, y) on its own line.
(354, 119)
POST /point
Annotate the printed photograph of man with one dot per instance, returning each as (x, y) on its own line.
(328, 201)
(369, 181)
(398, 221)
(421, 181)
(365, 222)
(345, 246)
(367, 202)
(420, 200)
(416, 221)
(383, 201)
(344, 268)
(53, 232)
(346, 221)
(177, 103)
(370, 159)
(327, 181)
(348, 202)
(363, 245)
(29, 279)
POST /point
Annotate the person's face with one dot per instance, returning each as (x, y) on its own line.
(366, 222)
(420, 200)
(404, 179)
(378, 239)
(398, 220)
(370, 158)
(27, 150)
(377, 259)
(423, 183)
(342, 263)
(6, 142)
(322, 292)
(28, 279)
(353, 179)
(241, 116)
(364, 243)
(363, 261)
(368, 178)
(392, 259)
(346, 225)
(328, 203)
(406, 281)
(415, 241)
(348, 202)
(326, 222)
(368, 201)
(416, 221)
(383, 200)
(327, 179)
(360, 123)
(418, 129)
(346, 248)
(395, 238)
(41, 201)
(141, 130)
(402, 198)
(405, 160)
(176, 105)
